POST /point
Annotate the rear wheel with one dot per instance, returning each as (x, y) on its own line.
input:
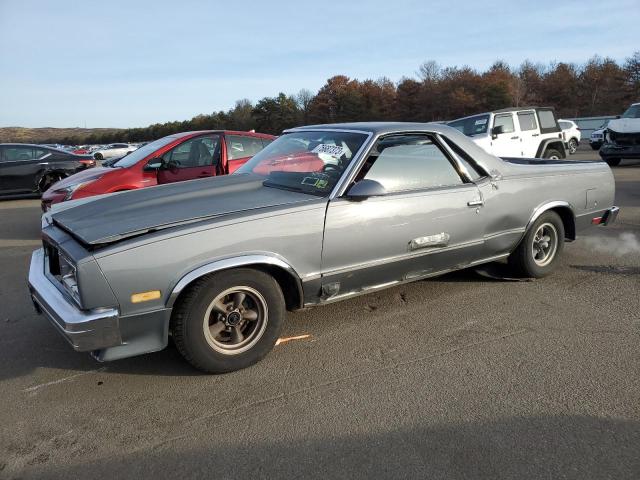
(229, 321)
(613, 162)
(573, 146)
(98, 156)
(537, 254)
(48, 180)
(552, 154)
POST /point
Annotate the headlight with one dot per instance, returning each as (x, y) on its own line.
(68, 276)
(71, 189)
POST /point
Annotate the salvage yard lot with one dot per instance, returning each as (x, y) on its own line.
(455, 377)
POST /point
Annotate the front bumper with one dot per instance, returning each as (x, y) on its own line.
(50, 198)
(611, 151)
(85, 330)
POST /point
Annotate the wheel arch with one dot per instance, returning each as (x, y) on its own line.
(556, 143)
(42, 174)
(564, 211)
(281, 271)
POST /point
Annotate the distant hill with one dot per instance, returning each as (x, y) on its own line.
(51, 135)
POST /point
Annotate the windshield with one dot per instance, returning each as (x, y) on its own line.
(471, 126)
(308, 162)
(632, 112)
(142, 152)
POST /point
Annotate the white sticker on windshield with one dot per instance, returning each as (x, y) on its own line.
(482, 121)
(333, 150)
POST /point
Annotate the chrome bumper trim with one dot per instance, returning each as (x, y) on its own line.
(84, 330)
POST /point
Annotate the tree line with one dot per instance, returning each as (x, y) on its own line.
(600, 86)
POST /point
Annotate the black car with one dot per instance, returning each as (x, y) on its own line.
(29, 169)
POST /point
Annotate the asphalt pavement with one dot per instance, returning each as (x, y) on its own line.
(456, 377)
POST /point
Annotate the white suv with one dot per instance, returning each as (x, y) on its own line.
(571, 134)
(515, 132)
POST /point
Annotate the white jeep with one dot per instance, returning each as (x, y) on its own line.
(515, 132)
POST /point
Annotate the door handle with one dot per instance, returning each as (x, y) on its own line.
(535, 134)
(475, 203)
(204, 174)
(515, 138)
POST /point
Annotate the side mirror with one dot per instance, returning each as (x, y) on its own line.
(365, 189)
(154, 164)
(495, 131)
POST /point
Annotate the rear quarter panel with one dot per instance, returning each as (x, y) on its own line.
(525, 190)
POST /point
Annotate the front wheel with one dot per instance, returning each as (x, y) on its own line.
(229, 320)
(573, 146)
(595, 146)
(98, 156)
(537, 254)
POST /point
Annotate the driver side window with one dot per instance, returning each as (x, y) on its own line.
(195, 152)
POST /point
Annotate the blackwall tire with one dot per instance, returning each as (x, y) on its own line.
(229, 320)
(537, 254)
(552, 154)
(613, 162)
(48, 180)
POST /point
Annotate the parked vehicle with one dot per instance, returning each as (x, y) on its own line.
(622, 137)
(183, 156)
(597, 136)
(30, 169)
(114, 150)
(515, 132)
(321, 214)
(571, 135)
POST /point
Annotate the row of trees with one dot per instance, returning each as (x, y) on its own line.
(601, 86)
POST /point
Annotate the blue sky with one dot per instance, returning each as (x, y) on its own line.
(132, 63)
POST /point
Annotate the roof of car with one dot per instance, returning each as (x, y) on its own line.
(376, 127)
(225, 132)
(28, 145)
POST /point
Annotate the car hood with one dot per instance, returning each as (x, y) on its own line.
(625, 125)
(82, 176)
(127, 214)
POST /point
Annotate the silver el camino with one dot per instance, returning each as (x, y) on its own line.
(322, 214)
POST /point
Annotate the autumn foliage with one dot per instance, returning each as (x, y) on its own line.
(601, 86)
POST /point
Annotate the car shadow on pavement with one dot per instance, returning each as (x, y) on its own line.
(569, 447)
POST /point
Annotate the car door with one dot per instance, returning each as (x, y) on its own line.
(507, 143)
(240, 148)
(529, 132)
(20, 167)
(194, 158)
(427, 222)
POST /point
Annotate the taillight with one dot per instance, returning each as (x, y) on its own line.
(90, 163)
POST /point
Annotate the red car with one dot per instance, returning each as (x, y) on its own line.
(183, 156)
